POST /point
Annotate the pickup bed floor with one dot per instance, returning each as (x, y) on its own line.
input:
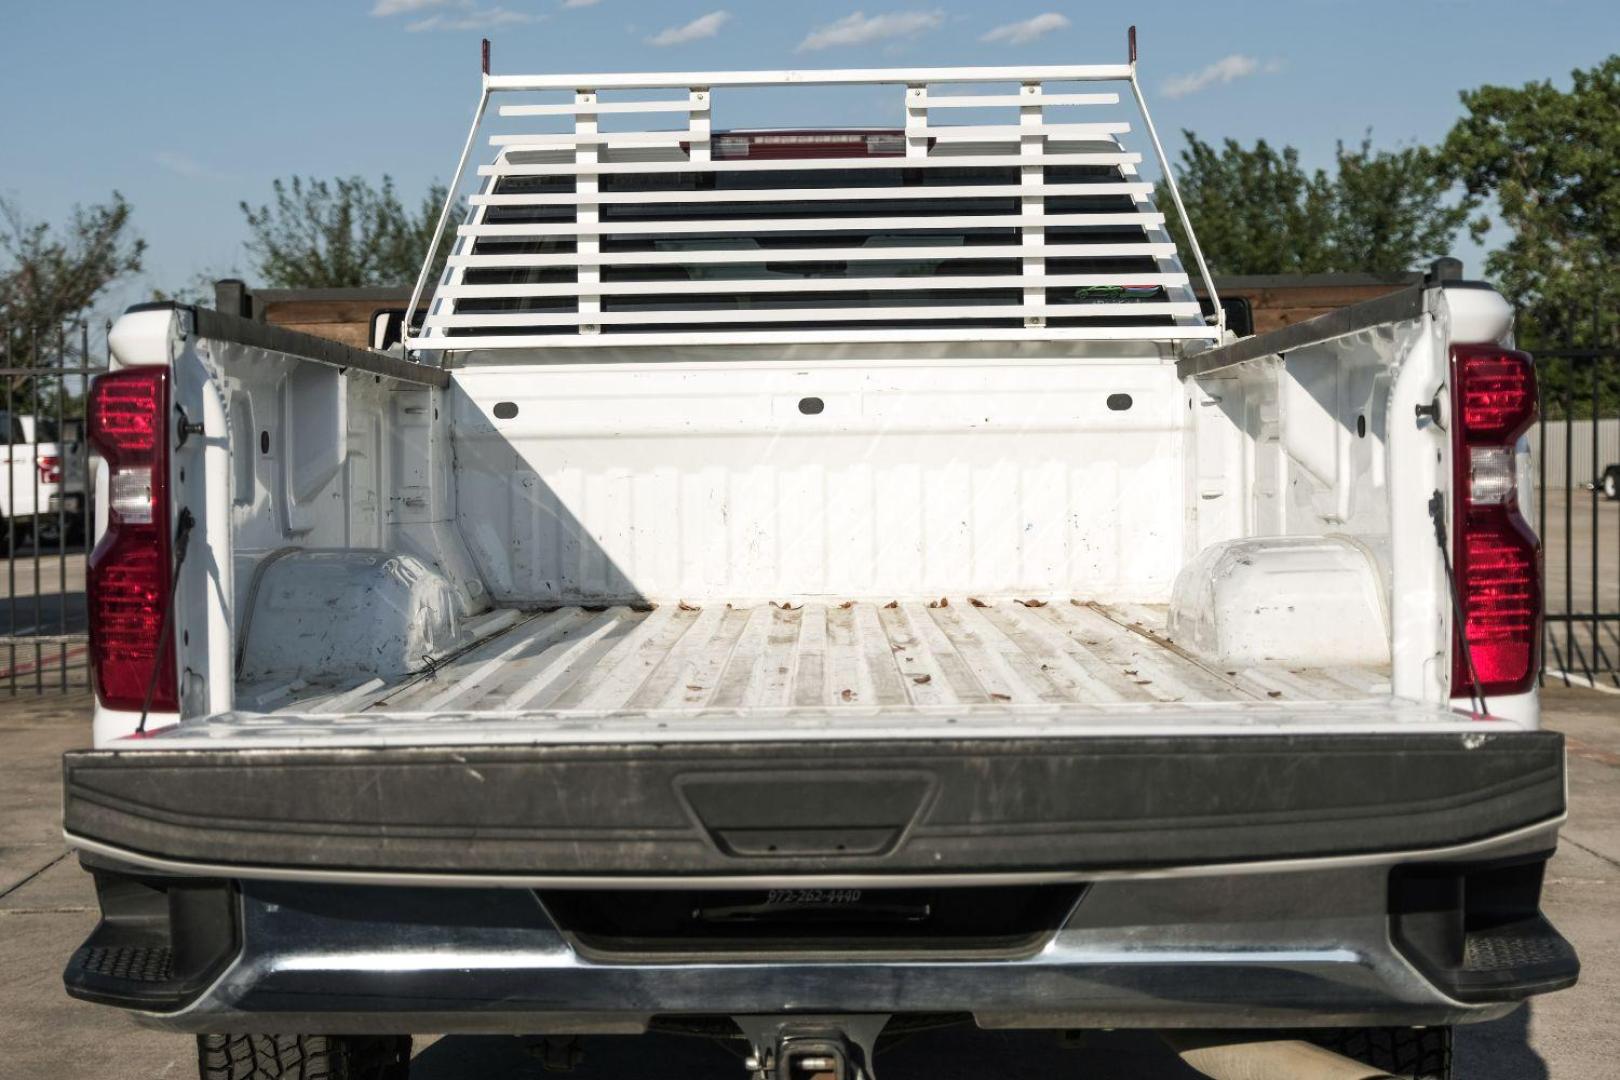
(857, 668)
(860, 653)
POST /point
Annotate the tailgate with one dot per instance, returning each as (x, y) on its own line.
(1041, 806)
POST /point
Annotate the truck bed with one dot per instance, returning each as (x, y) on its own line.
(763, 670)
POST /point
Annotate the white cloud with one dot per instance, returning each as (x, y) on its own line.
(704, 26)
(1022, 33)
(1226, 69)
(186, 165)
(861, 29)
(466, 16)
(385, 8)
(471, 18)
(580, 3)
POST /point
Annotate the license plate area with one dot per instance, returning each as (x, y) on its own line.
(743, 924)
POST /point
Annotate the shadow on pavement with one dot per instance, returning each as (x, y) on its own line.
(1499, 1050)
(961, 1051)
(1496, 1051)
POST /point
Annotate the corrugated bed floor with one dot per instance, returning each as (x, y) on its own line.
(899, 654)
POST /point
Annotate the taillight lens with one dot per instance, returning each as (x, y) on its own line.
(1496, 393)
(130, 570)
(1500, 603)
(1496, 556)
(127, 414)
(50, 469)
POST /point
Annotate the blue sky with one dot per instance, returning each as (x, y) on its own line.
(188, 107)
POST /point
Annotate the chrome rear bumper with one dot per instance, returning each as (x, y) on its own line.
(1302, 945)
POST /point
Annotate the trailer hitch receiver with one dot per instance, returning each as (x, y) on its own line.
(811, 1047)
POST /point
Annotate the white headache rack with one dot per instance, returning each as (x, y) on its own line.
(999, 205)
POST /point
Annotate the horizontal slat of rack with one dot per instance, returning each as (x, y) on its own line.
(708, 80)
(853, 194)
(941, 161)
(566, 139)
(993, 132)
(603, 108)
(822, 337)
(887, 224)
(923, 99)
(822, 254)
(708, 286)
(1013, 310)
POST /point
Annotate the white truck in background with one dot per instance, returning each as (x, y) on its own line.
(41, 481)
(807, 583)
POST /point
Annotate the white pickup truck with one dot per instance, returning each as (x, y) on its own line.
(41, 481)
(805, 583)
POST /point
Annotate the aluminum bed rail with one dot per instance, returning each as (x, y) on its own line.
(223, 326)
(1402, 304)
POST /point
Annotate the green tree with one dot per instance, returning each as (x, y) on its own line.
(339, 233)
(1257, 211)
(1392, 209)
(50, 278)
(1549, 159)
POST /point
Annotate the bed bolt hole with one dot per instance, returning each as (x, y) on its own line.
(505, 410)
(811, 406)
(1120, 402)
(1361, 426)
(264, 442)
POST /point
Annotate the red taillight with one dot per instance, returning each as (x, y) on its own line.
(126, 413)
(1496, 394)
(130, 570)
(1500, 602)
(50, 470)
(1497, 559)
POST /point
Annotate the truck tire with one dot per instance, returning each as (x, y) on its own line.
(1413, 1053)
(303, 1057)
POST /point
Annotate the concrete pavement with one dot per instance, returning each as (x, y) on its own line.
(46, 908)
